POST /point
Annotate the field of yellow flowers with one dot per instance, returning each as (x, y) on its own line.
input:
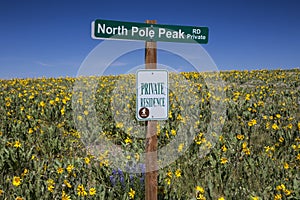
(256, 153)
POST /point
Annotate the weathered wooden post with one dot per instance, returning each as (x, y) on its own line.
(151, 136)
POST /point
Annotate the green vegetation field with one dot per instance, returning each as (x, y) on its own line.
(255, 154)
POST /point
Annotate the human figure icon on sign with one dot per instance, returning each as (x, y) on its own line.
(144, 112)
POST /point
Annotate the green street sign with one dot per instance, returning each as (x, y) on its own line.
(108, 29)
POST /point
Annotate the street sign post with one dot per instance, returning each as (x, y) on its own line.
(152, 84)
(108, 29)
(151, 143)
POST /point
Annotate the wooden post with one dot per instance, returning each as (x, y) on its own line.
(151, 137)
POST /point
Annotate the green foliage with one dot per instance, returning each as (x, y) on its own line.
(46, 126)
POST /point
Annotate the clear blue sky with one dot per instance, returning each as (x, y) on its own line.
(52, 38)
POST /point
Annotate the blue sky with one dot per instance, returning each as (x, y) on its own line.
(52, 38)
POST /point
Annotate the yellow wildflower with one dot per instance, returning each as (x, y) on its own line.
(200, 189)
(60, 170)
(92, 191)
(281, 139)
(280, 187)
(128, 140)
(168, 180)
(178, 173)
(180, 147)
(240, 136)
(247, 151)
(275, 126)
(51, 184)
(221, 138)
(290, 126)
(277, 197)
(169, 174)
(119, 125)
(287, 192)
(201, 197)
(179, 117)
(131, 193)
(170, 114)
(260, 103)
(295, 147)
(244, 145)
(199, 138)
(51, 102)
(42, 104)
(17, 144)
(81, 191)
(67, 184)
(247, 97)
(268, 125)
(173, 132)
(224, 160)
(16, 181)
(224, 148)
(252, 122)
(167, 134)
(64, 196)
(70, 168)
(25, 172)
(62, 111)
(87, 160)
(30, 130)
(137, 156)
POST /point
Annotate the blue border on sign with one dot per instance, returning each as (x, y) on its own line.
(137, 107)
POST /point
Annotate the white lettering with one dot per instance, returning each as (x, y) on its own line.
(101, 29)
(119, 30)
(109, 30)
(142, 33)
(151, 33)
(124, 31)
(168, 34)
(181, 34)
(146, 32)
(161, 31)
(171, 34)
(134, 30)
(196, 31)
(196, 37)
